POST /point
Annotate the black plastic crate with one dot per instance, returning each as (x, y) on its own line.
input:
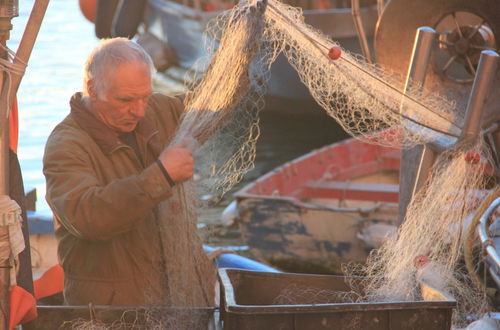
(251, 300)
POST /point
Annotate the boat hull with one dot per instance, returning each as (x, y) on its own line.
(180, 27)
(306, 239)
(310, 214)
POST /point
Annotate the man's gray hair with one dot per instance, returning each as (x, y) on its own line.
(105, 58)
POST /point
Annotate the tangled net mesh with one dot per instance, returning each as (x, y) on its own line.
(365, 99)
(362, 97)
(434, 229)
(221, 125)
(300, 295)
(151, 319)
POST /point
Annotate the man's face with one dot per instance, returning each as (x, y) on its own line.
(126, 97)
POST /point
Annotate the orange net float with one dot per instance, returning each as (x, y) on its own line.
(472, 157)
(88, 8)
(335, 52)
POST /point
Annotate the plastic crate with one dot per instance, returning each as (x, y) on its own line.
(250, 300)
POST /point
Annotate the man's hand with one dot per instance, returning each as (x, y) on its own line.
(178, 161)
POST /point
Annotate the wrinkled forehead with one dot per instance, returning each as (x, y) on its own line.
(130, 76)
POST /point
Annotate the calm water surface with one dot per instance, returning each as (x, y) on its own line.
(53, 74)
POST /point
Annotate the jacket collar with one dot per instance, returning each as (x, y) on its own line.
(105, 137)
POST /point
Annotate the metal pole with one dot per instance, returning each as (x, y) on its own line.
(488, 63)
(427, 158)
(413, 177)
(421, 53)
(360, 29)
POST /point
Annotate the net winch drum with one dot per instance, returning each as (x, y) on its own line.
(464, 29)
(473, 123)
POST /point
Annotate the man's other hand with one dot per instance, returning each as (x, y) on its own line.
(178, 161)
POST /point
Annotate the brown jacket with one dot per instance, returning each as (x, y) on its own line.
(107, 206)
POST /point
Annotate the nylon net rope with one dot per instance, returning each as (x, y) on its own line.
(221, 125)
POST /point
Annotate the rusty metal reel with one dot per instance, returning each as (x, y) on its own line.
(464, 29)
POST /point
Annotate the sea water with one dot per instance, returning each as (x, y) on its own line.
(53, 74)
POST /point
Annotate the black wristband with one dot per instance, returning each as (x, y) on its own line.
(165, 173)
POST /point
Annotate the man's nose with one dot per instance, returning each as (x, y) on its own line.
(138, 108)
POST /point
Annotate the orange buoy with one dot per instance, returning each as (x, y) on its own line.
(88, 7)
(335, 52)
(472, 157)
(22, 307)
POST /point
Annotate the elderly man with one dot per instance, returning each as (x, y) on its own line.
(108, 171)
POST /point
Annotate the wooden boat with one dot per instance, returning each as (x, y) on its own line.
(179, 26)
(328, 207)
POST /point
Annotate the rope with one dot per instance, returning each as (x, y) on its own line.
(469, 239)
(12, 240)
(11, 66)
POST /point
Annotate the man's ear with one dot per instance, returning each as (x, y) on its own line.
(91, 89)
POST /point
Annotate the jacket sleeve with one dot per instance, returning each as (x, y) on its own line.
(93, 211)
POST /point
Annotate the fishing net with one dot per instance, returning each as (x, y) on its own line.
(151, 319)
(222, 115)
(300, 295)
(363, 98)
(428, 245)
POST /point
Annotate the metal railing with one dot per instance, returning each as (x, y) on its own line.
(487, 243)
